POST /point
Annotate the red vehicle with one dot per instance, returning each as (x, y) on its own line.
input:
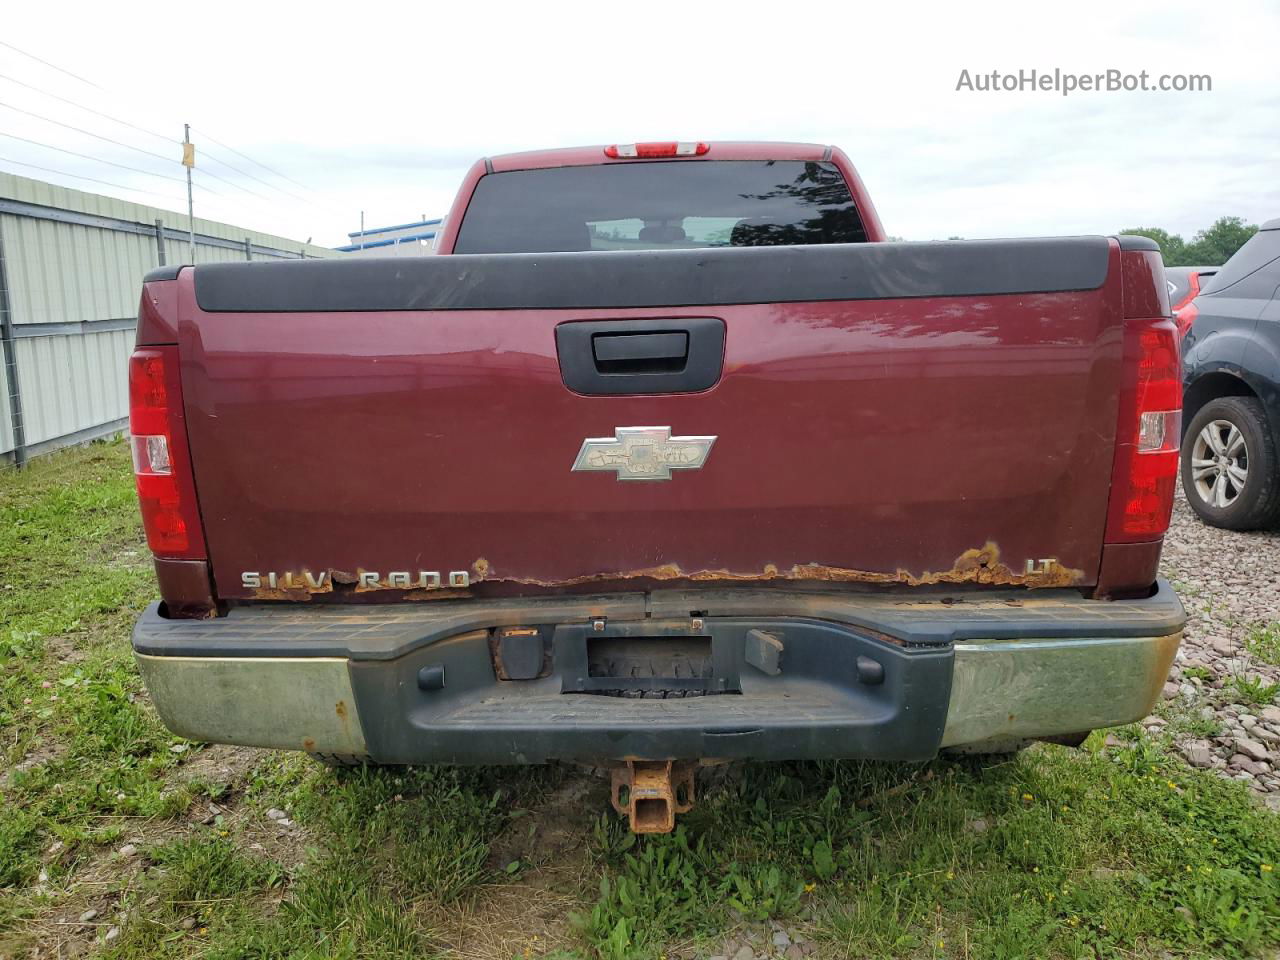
(1185, 284)
(670, 458)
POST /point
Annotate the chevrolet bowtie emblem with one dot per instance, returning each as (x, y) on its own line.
(643, 453)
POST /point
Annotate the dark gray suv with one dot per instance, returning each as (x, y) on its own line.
(1231, 390)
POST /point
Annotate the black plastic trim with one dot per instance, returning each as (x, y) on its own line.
(169, 272)
(656, 278)
(590, 353)
(1129, 241)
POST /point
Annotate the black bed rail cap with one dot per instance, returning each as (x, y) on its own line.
(1131, 241)
(656, 278)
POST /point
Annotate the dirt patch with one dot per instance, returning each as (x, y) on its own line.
(43, 751)
(550, 842)
(64, 649)
(221, 764)
(230, 768)
(86, 901)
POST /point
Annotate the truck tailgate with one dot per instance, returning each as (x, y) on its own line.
(887, 413)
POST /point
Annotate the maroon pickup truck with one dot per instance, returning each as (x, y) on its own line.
(670, 458)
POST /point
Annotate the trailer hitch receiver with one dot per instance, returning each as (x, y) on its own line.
(652, 792)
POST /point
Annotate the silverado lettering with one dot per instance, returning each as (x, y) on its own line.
(889, 421)
(369, 579)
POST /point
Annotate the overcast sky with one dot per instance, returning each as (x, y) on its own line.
(381, 106)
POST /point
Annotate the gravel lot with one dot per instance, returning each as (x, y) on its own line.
(1230, 585)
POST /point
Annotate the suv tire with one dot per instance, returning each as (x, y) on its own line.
(1238, 488)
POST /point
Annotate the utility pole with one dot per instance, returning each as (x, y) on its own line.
(189, 161)
(361, 229)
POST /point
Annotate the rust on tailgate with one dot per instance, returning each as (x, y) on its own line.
(978, 565)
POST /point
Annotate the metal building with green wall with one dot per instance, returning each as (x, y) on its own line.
(71, 268)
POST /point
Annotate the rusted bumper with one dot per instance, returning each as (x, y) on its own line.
(790, 675)
(293, 703)
(1025, 689)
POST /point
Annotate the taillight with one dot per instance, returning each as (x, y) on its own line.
(649, 151)
(162, 470)
(1148, 433)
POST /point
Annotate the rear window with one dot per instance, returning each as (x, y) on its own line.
(660, 206)
(1259, 251)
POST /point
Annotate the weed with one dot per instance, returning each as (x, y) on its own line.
(1255, 690)
(1264, 642)
(1185, 721)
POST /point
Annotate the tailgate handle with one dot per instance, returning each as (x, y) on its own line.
(611, 357)
(640, 352)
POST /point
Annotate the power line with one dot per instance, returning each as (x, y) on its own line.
(81, 106)
(216, 159)
(128, 146)
(148, 153)
(79, 176)
(85, 156)
(158, 136)
(256, 162)
(146, 131)
(244, 173)
(150, 133)
(89, 133)
(231, 183)
(52, 66)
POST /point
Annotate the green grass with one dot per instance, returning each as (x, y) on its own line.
(1255, 690)
(1101, 852)
(62, 523)
(72, 568)
(1264, 642)
(1083, 854)
(394, 848)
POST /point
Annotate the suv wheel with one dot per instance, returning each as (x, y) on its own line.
(1230, 470)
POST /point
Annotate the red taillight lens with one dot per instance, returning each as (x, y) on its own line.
(161, 467)
(1148, 433)
(1159, 384)
(650, 151)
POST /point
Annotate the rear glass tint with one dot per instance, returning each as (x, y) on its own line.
(660, 206)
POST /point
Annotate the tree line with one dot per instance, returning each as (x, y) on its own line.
(1211, 247)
